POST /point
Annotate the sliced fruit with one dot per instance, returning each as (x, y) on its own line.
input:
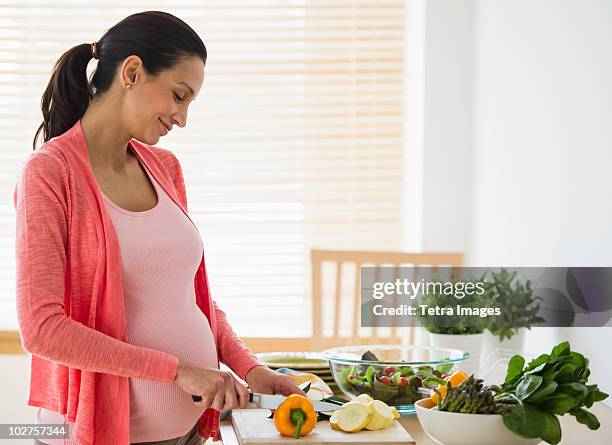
(333, 420)
(457, 378)
(315, 395)
(363, 398)
(381, 416)
(395, 412)
(353, 417)
(442, 390)
(368, 406)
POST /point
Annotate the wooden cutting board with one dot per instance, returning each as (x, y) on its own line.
(253, 427)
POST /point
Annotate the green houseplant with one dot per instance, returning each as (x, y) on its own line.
(459, 331)
(517, 303)
(519, 312)
(456, 324)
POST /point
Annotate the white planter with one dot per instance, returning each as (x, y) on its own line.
(492, 342)
(471, 343)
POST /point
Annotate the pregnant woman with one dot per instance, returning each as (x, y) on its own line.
(113, 300)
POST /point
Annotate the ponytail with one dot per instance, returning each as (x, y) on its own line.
(67, 95)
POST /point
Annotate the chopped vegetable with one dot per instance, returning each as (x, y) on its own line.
(333, 421)
(395, 412)
(382, 416)
(363, 412)
(363, 398)
(353, 417)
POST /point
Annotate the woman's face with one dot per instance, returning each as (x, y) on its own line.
(154, 104)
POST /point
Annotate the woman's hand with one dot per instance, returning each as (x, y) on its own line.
(264, 380)
(219, 389)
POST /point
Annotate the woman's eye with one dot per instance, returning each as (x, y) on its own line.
(178, 98)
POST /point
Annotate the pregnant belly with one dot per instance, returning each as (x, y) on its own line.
(159, 409)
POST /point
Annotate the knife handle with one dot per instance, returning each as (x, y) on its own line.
(199, 398)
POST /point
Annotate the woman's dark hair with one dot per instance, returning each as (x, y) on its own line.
(160, 39)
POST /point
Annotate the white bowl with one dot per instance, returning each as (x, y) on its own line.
(446, 428)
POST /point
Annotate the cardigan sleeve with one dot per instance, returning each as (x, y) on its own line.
(41, 202)
(232, 350)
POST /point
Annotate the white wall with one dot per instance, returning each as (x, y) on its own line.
(439, 63)
(542, 148)
(543, 132)
(448, 125)
(516, 142)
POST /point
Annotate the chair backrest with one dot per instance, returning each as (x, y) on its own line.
(342, 258)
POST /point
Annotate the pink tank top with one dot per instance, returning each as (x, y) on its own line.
(160, 253)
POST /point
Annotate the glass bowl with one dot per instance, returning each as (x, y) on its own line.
(396, 374)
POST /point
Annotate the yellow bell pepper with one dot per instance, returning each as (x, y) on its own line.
(295, 417)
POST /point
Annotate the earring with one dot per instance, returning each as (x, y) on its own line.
(128, 86)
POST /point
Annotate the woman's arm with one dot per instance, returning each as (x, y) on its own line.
(45, 329)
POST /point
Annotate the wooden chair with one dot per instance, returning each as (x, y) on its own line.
(358, 258)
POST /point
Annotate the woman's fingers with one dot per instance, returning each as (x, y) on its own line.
(218, 400)
(220, 390)
(230, 396)
(243, 394)
(286, 386)
(205, 402)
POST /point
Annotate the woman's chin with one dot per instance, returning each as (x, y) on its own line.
(149, 139)
(148, 134)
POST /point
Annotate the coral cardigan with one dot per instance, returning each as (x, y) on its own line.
(70, 301)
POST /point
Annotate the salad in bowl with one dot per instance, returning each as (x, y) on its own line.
(395, 374)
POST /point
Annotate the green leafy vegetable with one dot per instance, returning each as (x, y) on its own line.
(529, 421)
(515, 367)
(552, 384)
(586, 418)
(369, 374)
(446, 368)
(531, 397)
(431, 381)
(528, 386)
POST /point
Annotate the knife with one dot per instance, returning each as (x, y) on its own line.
(269, 401)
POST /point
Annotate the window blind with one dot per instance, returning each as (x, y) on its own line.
(295, 141)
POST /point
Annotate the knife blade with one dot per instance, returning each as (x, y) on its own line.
(269, 401)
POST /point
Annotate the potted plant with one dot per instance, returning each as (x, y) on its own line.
(519, 310)
(452, 329)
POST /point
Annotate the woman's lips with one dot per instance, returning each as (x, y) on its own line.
(163, 127)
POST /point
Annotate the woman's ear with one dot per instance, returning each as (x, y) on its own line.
(131, 70)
